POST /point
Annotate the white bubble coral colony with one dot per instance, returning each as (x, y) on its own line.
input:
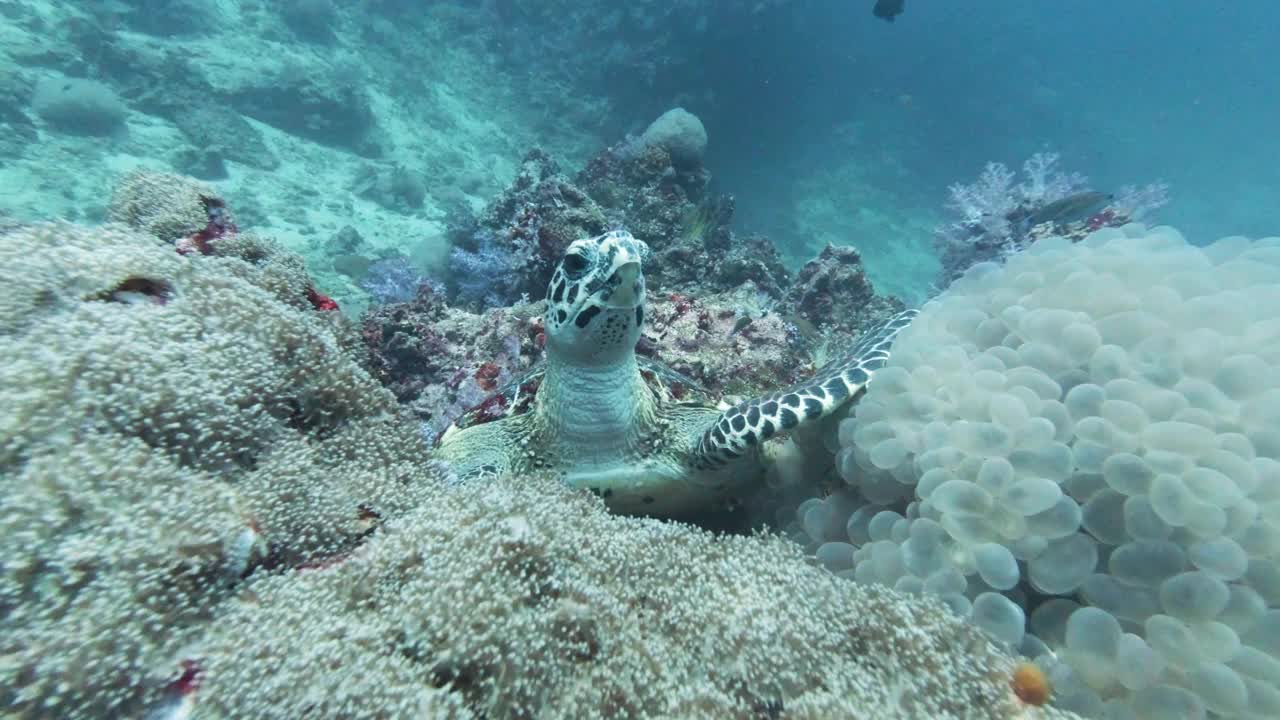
(1091, 434)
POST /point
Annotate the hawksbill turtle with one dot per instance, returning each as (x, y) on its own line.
(601, 420)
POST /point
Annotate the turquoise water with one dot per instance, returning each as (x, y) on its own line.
(826, 123)
(1126, 92)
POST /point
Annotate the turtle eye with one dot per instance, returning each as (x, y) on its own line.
(574, 263)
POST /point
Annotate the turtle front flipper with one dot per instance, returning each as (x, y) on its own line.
(480, 451)
(753, 421)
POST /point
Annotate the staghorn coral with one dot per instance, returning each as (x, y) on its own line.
(170, 426)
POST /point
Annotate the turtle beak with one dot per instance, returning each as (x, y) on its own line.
(629, 289)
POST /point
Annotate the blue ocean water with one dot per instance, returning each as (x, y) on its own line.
(1132, 92)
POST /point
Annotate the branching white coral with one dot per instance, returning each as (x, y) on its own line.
(1045, 183)
(990, 196)
(1138, 202)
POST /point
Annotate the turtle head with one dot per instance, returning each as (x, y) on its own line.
(595, 302)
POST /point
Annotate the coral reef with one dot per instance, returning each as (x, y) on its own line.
(522, 599)
(638, 186)
(170, 427)
(277, 270)
(730, 342)
(174, 208)
(220, 452)
(192, 216)
(722, 310)
(668, 205)
(480, 277)
(442, 361)
(507, 253)
(832, 292)
(391, 279)
(516, 240)
(996, 217)
(681, 134)
(211, 508)
(1080, 450)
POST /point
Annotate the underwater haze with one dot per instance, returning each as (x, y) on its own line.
(822, 98)
(652, 359)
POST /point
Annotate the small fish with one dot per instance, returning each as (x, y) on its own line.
(887, 10)
(1069, 209)
(808, 331)
(741, 324)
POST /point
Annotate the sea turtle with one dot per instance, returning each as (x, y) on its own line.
(601, 421)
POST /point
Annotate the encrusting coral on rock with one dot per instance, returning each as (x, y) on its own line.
(1080, 451)
(441, 361)
(833, 289)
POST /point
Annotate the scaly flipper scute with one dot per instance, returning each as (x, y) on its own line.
(751, 422)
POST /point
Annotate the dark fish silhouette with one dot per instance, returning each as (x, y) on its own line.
(1078, 206)
(888, 9)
